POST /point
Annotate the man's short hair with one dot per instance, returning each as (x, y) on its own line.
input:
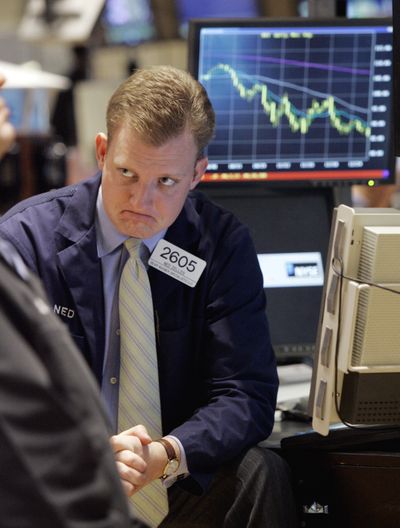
(159, 103)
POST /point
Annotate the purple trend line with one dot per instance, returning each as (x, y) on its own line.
(296, 63)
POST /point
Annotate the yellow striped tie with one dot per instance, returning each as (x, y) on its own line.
(139, 396)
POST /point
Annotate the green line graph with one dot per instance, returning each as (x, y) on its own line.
(278, 107)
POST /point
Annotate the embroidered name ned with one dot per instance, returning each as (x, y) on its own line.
(64, 311)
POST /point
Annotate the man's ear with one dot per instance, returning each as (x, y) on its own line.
(101, 149)
(199, 169)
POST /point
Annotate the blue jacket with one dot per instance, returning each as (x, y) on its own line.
(217, 370)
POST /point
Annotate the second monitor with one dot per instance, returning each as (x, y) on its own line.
(290, 229)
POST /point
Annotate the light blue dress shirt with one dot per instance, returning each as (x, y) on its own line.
(113, 255)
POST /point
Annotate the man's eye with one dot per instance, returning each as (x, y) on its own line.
(127, 173)
(168, 182)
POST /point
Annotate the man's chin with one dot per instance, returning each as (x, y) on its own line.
(139, 231)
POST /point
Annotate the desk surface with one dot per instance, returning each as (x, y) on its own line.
(285, 429)
(291, 434)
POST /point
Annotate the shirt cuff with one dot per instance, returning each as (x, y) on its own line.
(182, 470)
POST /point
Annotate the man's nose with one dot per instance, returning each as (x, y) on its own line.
(142, 195)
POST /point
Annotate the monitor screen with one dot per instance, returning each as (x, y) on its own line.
(368, 8)
(353, 8)
(29, 109)
(290, 229)
(128, 23)
(297, 102)
(188, 9)
(396, 75)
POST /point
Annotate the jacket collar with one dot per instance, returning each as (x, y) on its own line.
(78, 217)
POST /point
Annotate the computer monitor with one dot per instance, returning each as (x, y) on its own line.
(396, 76)
(356, 375)
(187, 10)
(368, 8)
(128, 23)
(298, 102)
(290, 229)
(29, 109)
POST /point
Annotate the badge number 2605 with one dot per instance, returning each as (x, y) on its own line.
(175, 258)
(177, 263)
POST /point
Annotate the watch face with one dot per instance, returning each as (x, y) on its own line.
(171, 467)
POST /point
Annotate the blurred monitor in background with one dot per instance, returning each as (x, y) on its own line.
(353, 8)
(187, 9)
(29, 109)
(128, 23)
(368, 8)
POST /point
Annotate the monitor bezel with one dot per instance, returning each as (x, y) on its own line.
(195, 26)
(396, 77)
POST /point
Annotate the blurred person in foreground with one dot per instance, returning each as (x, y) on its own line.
(209, 342)
(56, 465)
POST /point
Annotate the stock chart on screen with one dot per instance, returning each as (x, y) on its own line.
(298, 103)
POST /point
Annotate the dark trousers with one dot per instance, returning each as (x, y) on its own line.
(254, 491)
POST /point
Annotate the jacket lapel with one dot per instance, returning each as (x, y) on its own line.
(184, 233)
(81, 267)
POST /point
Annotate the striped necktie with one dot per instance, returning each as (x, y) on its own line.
(139, 398)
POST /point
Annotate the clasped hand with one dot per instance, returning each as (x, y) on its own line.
(139, 459)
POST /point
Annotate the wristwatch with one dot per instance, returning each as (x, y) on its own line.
(173, 462)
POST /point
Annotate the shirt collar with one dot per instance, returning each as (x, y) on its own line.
(109, 238)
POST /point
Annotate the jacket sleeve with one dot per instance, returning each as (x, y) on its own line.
(237, 361)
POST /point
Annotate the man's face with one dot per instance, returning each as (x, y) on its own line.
(144, 187)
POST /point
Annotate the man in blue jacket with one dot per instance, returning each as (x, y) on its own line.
(217, 372)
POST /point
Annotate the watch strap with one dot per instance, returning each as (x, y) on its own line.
(173, 460)
(168, 448)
